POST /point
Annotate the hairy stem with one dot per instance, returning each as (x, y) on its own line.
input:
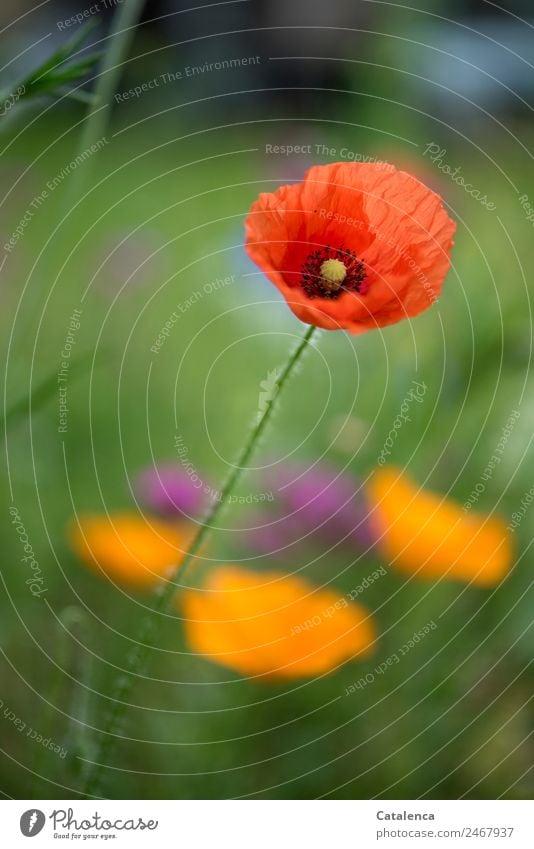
(120, 38)
(135, 662)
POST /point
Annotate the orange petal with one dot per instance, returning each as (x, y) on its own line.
(274, 624)
(426, 534)
(130, 549)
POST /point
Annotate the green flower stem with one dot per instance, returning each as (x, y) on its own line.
(120, 38)
(135, 661)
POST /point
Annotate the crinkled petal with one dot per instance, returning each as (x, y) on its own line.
(393, 223)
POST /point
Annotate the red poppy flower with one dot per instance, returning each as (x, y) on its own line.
(354, 246)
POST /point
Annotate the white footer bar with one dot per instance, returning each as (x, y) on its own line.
(269, 824)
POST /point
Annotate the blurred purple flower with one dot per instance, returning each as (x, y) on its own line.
(168, 490)
(312, 503)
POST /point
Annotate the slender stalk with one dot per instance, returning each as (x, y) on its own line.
(120, 38)
(135, 662)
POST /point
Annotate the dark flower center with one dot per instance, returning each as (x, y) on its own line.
(328, 272)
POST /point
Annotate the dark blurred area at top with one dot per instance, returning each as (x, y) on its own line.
(445, 56)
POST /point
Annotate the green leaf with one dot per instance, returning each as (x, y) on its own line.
(58, 69)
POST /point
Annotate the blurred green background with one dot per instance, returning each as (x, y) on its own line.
(162, 217)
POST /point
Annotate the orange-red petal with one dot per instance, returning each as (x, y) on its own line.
(390, 220)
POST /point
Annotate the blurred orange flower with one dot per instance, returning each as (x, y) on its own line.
(128, 548)
(354, 246)
(424, 533)
(274, 624)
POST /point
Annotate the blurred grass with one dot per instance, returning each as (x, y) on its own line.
(454, 716)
